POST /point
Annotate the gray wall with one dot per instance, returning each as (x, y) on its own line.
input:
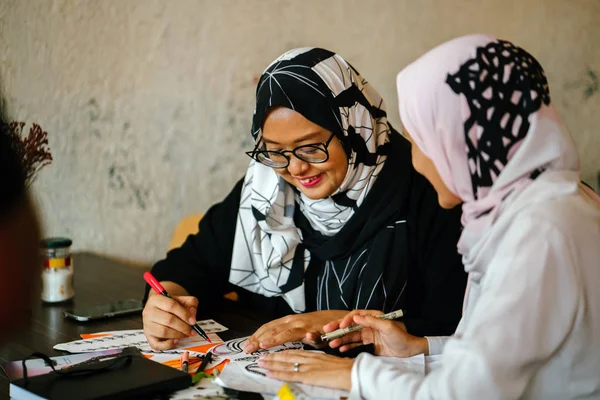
(148, 103)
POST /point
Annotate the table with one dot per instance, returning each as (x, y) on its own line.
(100, 280)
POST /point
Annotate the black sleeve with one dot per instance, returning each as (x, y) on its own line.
(434, 307)
(201, 265)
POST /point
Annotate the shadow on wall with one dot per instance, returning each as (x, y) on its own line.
(3, 116)
(120, 260)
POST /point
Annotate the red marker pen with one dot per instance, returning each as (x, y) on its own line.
(158, 288)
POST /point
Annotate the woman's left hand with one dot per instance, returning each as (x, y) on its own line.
(306, 327)
(313, 368)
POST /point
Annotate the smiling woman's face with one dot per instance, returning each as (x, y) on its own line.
(285, 129)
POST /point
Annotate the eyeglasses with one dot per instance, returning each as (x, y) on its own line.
(315, 153)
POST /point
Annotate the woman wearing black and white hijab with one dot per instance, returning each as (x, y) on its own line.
(330, 217)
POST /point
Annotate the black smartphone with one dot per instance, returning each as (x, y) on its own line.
(114, 309)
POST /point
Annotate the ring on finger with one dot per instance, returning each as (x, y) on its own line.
(296, 367)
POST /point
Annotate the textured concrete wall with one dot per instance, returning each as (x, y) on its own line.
(148, 103)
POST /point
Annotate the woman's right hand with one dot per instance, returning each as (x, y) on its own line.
(390, 338)
(166, 320)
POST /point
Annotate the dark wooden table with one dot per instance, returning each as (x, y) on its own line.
(99, 280)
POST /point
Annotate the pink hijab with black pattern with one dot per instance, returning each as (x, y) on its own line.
(480, 109)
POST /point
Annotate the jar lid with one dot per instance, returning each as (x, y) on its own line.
(56, 242)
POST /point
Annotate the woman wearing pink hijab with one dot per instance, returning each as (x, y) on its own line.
(485, 134)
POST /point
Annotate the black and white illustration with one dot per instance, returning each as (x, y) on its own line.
(232, 350)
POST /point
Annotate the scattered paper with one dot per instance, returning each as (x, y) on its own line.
(232, 350)
(240, 371)
(205, 389)
(207, 325)
(233, 377)
(174, 361)
(243, 373)
(136, 338)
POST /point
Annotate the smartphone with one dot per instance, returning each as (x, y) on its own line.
(114, 309)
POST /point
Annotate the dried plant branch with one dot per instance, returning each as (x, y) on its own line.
(32, 149)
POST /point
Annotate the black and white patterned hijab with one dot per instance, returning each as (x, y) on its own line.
(329, 92)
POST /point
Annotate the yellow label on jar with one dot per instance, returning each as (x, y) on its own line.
(57, 262)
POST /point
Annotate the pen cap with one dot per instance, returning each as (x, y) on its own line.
(154, 284)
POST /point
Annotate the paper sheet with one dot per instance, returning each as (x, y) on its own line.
(137, 339)
(232, 350)
(206, 389)
(243, 372)
(174, 361)
(208, 325)
(234, 377)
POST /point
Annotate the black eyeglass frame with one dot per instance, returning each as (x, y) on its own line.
(254, 153)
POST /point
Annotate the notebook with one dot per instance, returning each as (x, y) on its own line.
(136, 379)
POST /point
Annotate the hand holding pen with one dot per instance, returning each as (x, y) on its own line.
(389, 337)
(167, 318)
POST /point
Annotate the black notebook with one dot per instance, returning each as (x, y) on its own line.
(134, 378)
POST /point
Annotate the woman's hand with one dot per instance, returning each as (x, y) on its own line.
(313, 368)
(167, 320)
(306, 327)
(389, 337)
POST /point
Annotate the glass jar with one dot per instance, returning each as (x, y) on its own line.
(57, 270)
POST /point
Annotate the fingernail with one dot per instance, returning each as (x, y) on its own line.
(191, 320)
(261, 363)
(262, 357)
(175, 341)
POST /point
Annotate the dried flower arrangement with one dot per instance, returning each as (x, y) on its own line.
(33, 149)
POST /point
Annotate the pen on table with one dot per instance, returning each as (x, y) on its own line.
(185, 361)
(338, 333)
(158, 288)
(205, 360)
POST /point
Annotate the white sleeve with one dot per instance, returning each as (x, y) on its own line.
(528, 302)
(436, 344)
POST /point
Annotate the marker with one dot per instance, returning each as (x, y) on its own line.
(353, 328)
(198, 374)
(158, 288)
(205, 360)
(185, 361)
